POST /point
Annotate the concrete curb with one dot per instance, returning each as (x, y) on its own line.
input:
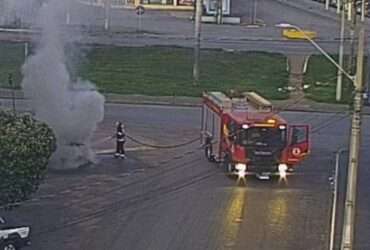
(181, 37)
(182, 101)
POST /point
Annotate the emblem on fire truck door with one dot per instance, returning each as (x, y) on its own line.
(296, 151)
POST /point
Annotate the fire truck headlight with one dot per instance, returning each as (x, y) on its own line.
(245, 126)
(24, 232)
(282, 170)
(241, 167)
(241, 174)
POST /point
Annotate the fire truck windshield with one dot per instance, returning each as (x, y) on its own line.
(262, 136)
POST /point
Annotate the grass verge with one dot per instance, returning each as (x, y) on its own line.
(11, 60)
(322, 77)
(164, 71)
(167, 71)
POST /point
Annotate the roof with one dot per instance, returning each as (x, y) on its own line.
(256, 117)
(251, 107)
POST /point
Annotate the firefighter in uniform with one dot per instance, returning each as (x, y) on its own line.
(120, 140)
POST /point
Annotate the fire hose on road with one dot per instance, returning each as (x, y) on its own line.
(137, 141)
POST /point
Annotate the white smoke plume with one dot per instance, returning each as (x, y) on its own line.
(72, 109)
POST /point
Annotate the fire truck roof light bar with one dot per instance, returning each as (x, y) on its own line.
(258, 101)
(219, 98)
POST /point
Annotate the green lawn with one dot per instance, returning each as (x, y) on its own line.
(160, 71)
(322, 77)
(11, 60)
(168, 71)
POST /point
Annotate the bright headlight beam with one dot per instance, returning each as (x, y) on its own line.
(282, 174)
(245, 126)
(241, 174)
(282, 170)
(241, 167)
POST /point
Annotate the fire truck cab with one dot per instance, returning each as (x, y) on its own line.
(246, 136)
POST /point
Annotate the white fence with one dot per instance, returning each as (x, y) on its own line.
(101, 2)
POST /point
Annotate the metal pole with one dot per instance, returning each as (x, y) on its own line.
(68, 17)
(327, 4)
(25, 50)
(349, 5)
(354, 152)
(254, 12)
(219, 13)
(363, 10)
(350, 77)
(10, 80)
(339, 4)
(351, 58)
(368, 78)
(140, 21)
(197, 26)
(107, 7)
(338, 96)
(335, 198)
(68, 13)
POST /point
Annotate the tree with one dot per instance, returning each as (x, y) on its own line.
(25, 148)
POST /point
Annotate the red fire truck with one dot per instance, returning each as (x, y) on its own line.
(246, 136)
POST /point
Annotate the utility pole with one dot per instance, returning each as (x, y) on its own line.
(197, 24)
(26, 50)
(107, 7)
(363, 4)
(353, 19)
(254, 12)
(338, 96)
(354, 151)
(68, 12)
(339, 4)
(349, 5)
(368, 78)
(219, 12)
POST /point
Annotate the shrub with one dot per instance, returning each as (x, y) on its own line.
(25, 148)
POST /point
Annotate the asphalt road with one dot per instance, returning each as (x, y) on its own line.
(276, 45)
(271, 12)
(175, 199)
(174, 29)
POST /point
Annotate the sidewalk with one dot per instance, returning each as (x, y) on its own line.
(303, 105)
(316, 8)
(313, 7)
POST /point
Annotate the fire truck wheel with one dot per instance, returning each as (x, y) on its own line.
(208, 153)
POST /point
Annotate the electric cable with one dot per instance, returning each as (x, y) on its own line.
(328, 123)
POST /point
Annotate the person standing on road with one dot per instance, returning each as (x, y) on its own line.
(120, 140)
